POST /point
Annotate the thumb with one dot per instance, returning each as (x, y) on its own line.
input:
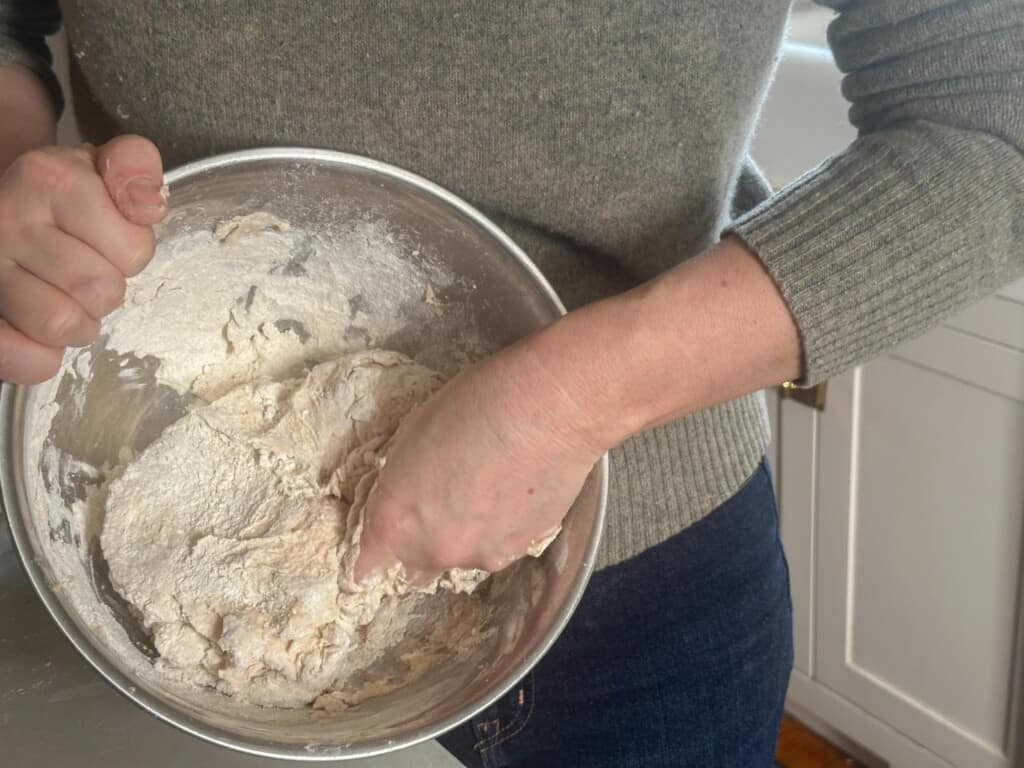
(133, 173)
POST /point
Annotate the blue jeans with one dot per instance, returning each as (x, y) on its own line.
(677, 657)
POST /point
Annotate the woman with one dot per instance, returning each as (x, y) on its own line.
(609, 140)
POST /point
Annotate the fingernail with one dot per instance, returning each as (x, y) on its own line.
(145, 192)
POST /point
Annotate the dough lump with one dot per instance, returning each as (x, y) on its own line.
(235, 533)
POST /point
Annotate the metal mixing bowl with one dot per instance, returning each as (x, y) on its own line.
(496, 291)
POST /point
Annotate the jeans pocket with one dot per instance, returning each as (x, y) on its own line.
(504, 721)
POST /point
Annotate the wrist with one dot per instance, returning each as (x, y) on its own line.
(546, 393)
(577, 366)
(707, 331)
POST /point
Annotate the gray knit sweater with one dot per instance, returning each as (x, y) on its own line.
(609, 138)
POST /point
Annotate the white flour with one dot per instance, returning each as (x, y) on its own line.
(234, 534)
(252, 301)
(231, 535)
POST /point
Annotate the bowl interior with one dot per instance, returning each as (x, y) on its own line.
(483, 294)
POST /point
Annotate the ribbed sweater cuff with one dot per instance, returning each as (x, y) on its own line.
(882, 241)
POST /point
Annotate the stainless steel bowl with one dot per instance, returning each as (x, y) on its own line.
(496, 292)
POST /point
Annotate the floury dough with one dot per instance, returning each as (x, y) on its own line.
(234, 535)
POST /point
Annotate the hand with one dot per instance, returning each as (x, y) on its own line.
(478, 473)
(74, 223)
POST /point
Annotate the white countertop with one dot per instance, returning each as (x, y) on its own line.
(56, 710)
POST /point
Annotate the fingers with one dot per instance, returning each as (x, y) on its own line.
(23, 360)
(86, 212)
(387, 531)
(489, 561)
(74, 222)
(421, 579)
(374, 555)
(76, 269)
(132, 171)
(41, 312)
(376, 558)
(61, 186)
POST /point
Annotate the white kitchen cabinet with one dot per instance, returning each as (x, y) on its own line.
(901, 508)
(901, 503)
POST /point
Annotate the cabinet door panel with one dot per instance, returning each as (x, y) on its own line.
(919, 524)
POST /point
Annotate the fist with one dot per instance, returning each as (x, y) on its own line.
(74, 223)
(482, 471)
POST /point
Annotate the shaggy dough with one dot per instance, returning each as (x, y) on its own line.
(235, 533)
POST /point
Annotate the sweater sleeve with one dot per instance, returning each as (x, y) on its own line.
(24, 25)
(924, 212)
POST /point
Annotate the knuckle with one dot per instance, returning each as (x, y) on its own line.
(13, 226)
(500, 559)
(492, 563)
(43, 169)
(85, 154)
(436, 562)
(65, 323)
(447, 555)
(104, 294)
(436, 559)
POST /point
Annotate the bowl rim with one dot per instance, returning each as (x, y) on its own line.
(12, 401)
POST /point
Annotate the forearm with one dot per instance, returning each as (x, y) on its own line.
(27, 109)
(711, 329)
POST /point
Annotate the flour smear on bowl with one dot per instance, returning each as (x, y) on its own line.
(230, 535)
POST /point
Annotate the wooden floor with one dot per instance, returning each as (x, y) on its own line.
(799, 748)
